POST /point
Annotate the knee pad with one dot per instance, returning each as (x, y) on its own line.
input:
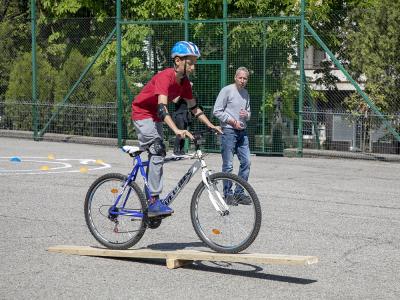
(157, 148)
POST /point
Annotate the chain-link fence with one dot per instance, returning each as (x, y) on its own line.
(66, 103)
(337, 116)
(77, 87)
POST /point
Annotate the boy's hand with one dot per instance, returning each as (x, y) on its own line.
(217, 129)
(183, 133)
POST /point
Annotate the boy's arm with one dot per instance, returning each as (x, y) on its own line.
(164, 115)
(199, 114)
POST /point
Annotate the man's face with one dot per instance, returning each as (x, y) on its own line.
(241, 79)
(189, 61)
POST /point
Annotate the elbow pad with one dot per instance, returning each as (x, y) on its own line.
(193, 107)
(162, 111)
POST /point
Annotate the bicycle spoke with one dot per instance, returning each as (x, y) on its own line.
(118, 230)
(237, 228)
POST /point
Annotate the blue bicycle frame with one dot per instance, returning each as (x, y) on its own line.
(139, 166)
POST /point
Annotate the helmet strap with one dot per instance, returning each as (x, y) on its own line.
(184, 67)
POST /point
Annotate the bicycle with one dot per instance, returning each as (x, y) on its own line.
(116, 207)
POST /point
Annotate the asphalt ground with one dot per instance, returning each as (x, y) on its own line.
(346, 212)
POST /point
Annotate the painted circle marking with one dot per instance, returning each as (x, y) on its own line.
(45, 165)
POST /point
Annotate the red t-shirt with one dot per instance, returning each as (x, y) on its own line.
(144, 106)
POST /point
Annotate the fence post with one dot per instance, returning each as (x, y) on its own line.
(186, 15)
(35, 120)
(119, 77)
(225, 41)
(264, 87)
(186, 20)
(301, 90)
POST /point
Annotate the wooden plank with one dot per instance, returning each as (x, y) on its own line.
(178, 258)
(173, 263)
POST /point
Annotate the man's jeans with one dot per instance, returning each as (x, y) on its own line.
(235, 142)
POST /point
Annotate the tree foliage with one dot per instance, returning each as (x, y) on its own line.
(374, 53)
(69, 74)
(70, 32)
(14, 38)
(18, 97)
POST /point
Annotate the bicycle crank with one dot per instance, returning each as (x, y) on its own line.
(153, 222)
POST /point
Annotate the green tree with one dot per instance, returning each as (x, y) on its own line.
(69, 74)
(18, 97)
(14, 38)
(145, 50)
(374, 52)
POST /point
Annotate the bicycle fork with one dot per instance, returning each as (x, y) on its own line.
(215, 196)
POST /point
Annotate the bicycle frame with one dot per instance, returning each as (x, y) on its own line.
(199, 163)
(139, 166)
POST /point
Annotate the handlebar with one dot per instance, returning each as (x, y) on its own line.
(199, 134)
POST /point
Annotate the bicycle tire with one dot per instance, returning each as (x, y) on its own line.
(120, 232)
(213, 228)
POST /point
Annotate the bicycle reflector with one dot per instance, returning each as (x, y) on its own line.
(216, 231)
(114, 191)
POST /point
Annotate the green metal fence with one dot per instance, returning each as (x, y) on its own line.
(89, 70)
(342, 110)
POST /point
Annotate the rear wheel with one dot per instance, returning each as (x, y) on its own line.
(115, 229)
(237, 228)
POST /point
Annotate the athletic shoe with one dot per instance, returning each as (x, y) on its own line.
(158, 209)
(179, 153)
(230, 200)
(235, 200)
(243, 199)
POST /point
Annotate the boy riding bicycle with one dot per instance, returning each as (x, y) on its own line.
(149, 111)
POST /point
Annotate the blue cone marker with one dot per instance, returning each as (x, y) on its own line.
(15, 159)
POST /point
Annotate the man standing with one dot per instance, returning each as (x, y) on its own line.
(149, 112)
(232, 108)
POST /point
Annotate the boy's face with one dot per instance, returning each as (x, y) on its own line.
(189, 61)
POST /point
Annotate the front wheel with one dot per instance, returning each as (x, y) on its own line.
(236, 229)
(115, 226)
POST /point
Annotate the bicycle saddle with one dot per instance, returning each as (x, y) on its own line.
(132, 150)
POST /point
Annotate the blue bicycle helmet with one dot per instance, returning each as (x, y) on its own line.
(184, 48)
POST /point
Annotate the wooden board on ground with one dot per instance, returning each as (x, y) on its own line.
(177, 258)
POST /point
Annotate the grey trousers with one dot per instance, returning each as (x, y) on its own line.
(147, 131)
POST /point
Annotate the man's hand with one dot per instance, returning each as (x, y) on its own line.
(235, 124)
(243, 113)
(183, 133)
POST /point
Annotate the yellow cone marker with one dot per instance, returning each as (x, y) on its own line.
(44, 168)
(99, 162)
(83, 170)
(51, 156)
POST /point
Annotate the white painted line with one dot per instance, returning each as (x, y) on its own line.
(56, 166)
